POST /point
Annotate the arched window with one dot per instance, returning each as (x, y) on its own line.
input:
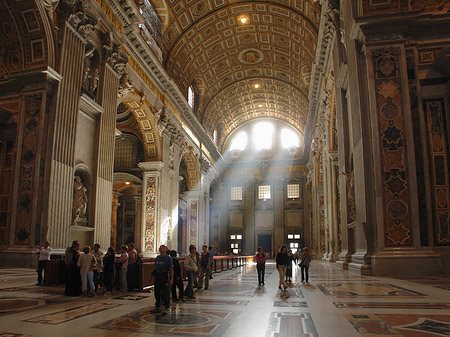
(239, 142)
(128, 152)
(289, 139)
(191, 97)
(262, 135)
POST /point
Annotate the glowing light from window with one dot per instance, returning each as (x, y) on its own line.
(191, 97)
(262, 135)
(289, 139)
(239, 142)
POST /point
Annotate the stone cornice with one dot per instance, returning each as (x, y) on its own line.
(321, 65)
(89, 107)
(151, 166)
(403, 27)
(128, 13)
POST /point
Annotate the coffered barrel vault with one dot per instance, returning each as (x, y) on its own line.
(242, 70)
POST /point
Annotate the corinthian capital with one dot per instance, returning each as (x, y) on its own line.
(115, 57)
(84, 24)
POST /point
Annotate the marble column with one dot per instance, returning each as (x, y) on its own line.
(249, 218)
(151, 218)
(138, 223)
(193, 207)
(115, 206)
(279, 215)
(204, 210)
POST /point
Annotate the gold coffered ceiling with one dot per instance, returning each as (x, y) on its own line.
(207, 45)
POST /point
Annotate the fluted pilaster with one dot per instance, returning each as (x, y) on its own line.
(62, 162)
(108, 100)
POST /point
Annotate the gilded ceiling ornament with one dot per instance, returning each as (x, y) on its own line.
(251, 56)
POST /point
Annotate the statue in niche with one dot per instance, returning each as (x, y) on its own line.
(264, 169)
(79, 201)
(90, 73)
(351, 206)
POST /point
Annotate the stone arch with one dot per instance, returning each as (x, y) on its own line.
(26, 39)
(121, 179)
(192, 170)
(144, 112)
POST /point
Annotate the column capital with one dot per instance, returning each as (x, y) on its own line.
(151, 166)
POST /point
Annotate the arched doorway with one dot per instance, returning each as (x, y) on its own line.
(127, 190)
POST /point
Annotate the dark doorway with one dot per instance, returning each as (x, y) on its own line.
(265, 241)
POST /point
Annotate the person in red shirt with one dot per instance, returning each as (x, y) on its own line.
(260, 265)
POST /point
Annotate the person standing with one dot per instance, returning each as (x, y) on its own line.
(177, 278)
(122, 266)
(43, 261)
(108, 270)
(305, 260)
(204, 270)
(289, 266)
(73, 277)
(260, 265)
(296, 257)
(98, 255)
(282, 261)
(132, 277)
(197, 260)
(191, 266)
(163, 279)
(87, 263)
(212, 251)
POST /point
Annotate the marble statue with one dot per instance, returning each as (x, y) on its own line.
(79, 201)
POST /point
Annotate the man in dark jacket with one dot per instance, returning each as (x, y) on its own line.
(177, 278)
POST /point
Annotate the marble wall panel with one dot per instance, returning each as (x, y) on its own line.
(392, 140)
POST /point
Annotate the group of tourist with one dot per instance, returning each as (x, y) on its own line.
(284, 259)
(167, 275)
(86, 272)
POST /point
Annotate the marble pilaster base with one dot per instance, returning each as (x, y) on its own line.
(406, 262)
(18, 258)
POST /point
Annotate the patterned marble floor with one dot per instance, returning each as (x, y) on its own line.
(335, 303)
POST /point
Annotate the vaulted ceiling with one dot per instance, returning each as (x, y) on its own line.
(242, 71)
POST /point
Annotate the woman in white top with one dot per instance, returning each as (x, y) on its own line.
(190, 264)
(87, 264)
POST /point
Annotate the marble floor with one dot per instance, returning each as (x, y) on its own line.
(334, 303)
